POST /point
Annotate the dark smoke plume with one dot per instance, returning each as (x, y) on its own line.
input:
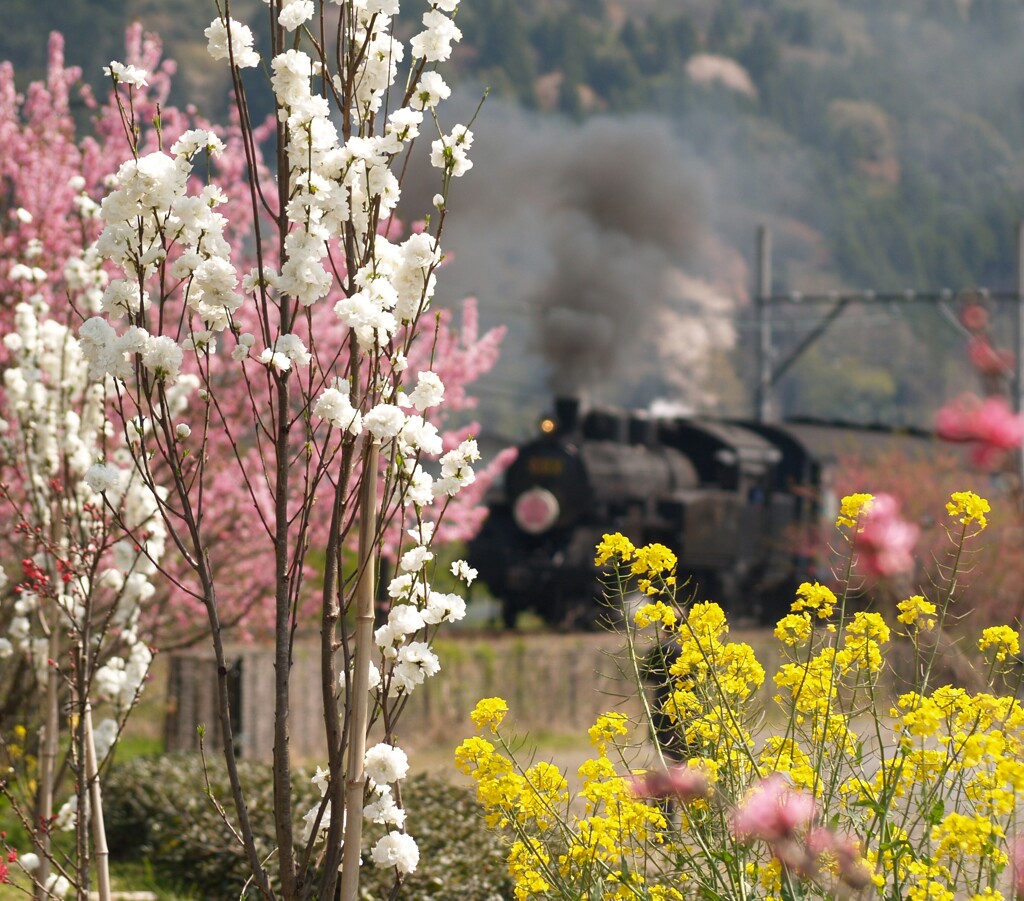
(579, 233)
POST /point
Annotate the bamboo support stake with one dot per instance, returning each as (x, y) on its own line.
(48, 767)
(355, 781)
(99, 832)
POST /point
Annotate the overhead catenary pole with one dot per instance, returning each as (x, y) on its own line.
(1018, 365)
(764, 402)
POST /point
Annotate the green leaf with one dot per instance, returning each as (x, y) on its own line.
(934, 816)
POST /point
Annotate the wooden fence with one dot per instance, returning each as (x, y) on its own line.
(553, 684)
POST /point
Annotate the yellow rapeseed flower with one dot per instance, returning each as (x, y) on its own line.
(653, 560)
(967, 507)
(489, 712)
(928, 886)
(916, 611)
(851, 508)
(816, 598)
(1004, 640)
(794, 628)
(664, 893)
(608, 726)
(784, 755)
(655, 613)
(959, 835)
(707, 620)
(614, 545)
(864, 634)
(526, 860)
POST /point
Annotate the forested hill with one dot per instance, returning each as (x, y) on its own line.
(909, 115)
(907, 118)
(883, 141)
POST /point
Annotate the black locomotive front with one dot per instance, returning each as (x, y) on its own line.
(700, 487)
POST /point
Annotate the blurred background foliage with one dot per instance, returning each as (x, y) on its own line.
(884, 143)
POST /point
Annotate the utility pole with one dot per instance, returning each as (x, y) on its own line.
(769, 372)
(1018, 365)
(765, 351)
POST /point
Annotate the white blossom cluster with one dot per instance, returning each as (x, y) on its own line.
(158, 229)
(57, 435)
(384, 765)
(149, 214)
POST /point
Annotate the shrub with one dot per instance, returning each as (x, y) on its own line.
(174, 826)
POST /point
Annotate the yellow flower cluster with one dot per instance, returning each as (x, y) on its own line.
(816, 598)
(930, 882)
(812, 683)
(613, 546)
(527, 861)
(916, 611)
(610, 837)
(863, 638)
(922, 805)
(658, 612)
(784, 755)
(852, 507)
(959, 836)
(653, 559)
(1002, 641)
(794, 629)
(489, 712)
(607, 727)
(707, 672)
(654, 563)
(966, 507)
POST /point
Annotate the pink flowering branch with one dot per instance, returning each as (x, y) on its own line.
(785, 819)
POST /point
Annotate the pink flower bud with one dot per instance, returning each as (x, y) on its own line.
(681, 783)
(886, 542)
(773, 811)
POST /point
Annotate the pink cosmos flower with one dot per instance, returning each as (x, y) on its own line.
(774, 811)
(886, 542)
(680, 783)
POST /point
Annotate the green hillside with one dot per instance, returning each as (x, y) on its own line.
(882, 141)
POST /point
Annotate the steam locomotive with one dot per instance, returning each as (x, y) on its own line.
(729, 497)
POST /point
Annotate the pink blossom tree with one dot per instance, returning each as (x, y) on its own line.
(52, 178)
(260, 334)
(993, 432)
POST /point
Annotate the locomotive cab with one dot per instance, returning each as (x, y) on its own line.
(724, 523)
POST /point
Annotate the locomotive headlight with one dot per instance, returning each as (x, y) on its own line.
(548, 425)
(536, 510)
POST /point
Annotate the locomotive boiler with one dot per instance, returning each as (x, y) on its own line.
(730, 498)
